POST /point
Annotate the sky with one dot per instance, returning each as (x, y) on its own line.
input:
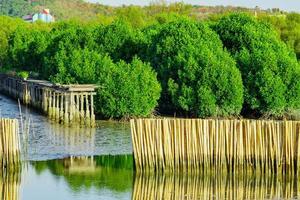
(287, 5)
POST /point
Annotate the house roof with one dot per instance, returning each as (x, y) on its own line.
(27, 17)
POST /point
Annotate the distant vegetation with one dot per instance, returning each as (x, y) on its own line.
(163, 59)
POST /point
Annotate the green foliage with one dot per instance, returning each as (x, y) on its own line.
(76, 66)
(7, 27)
(23, 74)
(135, 15)
(197, 76)
(65, 38)
(118, 39)
(128, 90)
(288, 28)
(125, 89)
(26, 48)
(15, 8)
(269, 69)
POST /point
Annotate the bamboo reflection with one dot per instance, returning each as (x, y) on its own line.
(213, 186)
(74, 140)
(10, 186)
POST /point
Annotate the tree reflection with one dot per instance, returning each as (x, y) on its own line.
(83, 173)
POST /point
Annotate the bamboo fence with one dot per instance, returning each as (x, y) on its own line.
(214, 186)
(10, 186)
(185, 145)
(9, 144)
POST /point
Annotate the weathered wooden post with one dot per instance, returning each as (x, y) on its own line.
(26, 94)
(32, 95)
(66, 118)
(93, 121)
(71, 108)
(63, 103)
(87, 112)
(44, 100)
(77, 109)
(61, 115)
(57, 112)
(53, 106)
(40, 98)
(50, 103)
(82, 114)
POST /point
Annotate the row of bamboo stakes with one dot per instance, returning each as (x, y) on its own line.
(213, 186)
(10, 186)
(10, 146)
(186, 145)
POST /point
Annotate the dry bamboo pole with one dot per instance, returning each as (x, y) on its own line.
(10, 144)
(185, 145)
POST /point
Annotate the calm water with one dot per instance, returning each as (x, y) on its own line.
(73, 163)
(48, 140)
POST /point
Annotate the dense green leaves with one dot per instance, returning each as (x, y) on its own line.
(197, 76)
(188, 68)
(15, 7)
(7, 28)
(269, 68)
(124, 89)
(26, 48)
(128, 89)
(288, 28)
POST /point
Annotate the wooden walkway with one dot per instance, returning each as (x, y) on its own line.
(67, 104)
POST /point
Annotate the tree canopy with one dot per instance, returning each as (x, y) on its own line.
(197, 75)
(269, 68)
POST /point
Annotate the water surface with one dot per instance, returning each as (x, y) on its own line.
(49, 140)
(112, 177)
(88, 164)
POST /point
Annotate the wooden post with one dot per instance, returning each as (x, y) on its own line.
(53, 106)
(44, 100)
(87, 112)
(57, 112)
(50, 103)
(71, 108)
(77, 109)
(93, 121)
(66, 118)
(61, 113)
(82, 116)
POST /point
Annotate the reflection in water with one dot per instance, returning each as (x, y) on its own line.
(73, 140)
(169, 187)
(83, 173)
(116, 174)
(9, 185)
(112, 177)
(49, 140)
